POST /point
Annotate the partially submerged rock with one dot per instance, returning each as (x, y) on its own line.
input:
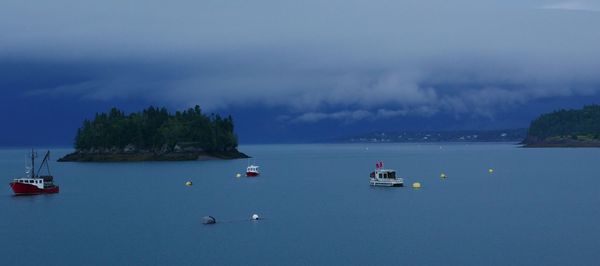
(209, 220)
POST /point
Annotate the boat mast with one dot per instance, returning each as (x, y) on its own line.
(32, 164)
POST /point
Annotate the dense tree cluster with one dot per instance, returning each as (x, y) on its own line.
(567, 124)
(157, 129)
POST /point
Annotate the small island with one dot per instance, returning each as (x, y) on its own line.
(154, 134)
(566, 128)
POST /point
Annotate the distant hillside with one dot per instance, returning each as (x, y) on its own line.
(154, 134)
(566, 128)
(508, 135)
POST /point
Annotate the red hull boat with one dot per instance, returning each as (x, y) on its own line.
(33, 184)
(31, 189)
(252, 170)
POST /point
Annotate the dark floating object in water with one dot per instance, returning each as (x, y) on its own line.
(209, 220)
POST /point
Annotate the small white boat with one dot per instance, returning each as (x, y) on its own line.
(252, 170)
(385, 177)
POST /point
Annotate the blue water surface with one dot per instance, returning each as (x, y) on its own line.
(538, 207)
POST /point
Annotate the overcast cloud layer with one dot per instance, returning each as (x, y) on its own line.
(339, 60)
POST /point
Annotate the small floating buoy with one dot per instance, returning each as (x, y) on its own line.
(491, 171)
(188, 183)
(238, 175)
(416, 185)
(209, 220)
(442, 175)
(255, 217)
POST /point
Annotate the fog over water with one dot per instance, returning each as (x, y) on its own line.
(303, 63)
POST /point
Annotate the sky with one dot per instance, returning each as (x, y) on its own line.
(296, 71)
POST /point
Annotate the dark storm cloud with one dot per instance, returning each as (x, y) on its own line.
(340, 60)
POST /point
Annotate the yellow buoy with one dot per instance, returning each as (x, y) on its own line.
(442, 175)
(490, 170)
(238, 175)
(416, 185)
(188, 183)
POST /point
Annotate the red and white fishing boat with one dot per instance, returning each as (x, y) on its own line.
(252, 170)
(33, 184)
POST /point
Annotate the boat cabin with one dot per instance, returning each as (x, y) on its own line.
(384, 174)
(38, 182)
(385, 177)
(252, 168)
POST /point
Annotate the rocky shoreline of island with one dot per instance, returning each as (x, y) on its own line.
(561, 144)
(143, 156)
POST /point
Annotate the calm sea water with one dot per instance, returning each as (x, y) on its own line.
(540, 206)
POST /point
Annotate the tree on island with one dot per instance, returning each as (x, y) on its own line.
(566, 126)
(155, 129)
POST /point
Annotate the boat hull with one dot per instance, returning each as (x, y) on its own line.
(251, 174)
(29, 189)
(376, 183)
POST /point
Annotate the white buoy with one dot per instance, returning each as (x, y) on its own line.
(255, 217)
(416, 185)
(442, 175)
(188, 183)
(238, 175)
(491, 171)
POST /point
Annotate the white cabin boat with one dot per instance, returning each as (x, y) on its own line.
(252, 170)
(385, 178)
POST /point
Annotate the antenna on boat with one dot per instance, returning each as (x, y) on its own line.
(33, 156)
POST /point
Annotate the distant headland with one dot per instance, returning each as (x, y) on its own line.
(566, 128)
(154, 134)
